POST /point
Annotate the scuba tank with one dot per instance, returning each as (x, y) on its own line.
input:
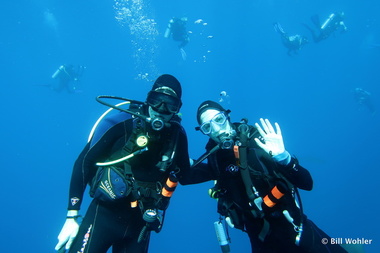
(58, 71)
(328, 21)
(168, 29)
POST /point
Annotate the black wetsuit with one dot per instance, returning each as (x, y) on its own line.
(323, 33)
(265, 173)
(118, 224)
(293, 43)
(179, 32)
(66, 79)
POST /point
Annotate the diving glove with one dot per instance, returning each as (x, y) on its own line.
(69, 231)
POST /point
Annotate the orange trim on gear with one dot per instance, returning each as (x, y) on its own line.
(236, 152)
(166, 193)
(268, 202)
(171, 184)
(277, 193)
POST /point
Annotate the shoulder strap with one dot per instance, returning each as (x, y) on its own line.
(169, 149)
(134, 141)
(241, 156)
(255, 201)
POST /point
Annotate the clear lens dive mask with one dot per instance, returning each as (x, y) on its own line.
(218, 119)
(220, 130)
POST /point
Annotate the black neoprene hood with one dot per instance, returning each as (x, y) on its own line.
(207, 105)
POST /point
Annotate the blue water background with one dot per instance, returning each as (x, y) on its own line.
(309, 94)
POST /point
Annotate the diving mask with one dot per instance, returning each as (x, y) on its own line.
(219, 119)
(217, 127)
(163, 103)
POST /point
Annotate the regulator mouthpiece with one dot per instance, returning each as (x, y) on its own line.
(157, 124)
(227, 143)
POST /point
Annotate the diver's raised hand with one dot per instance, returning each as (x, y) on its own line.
(69, 231)
(271, 141)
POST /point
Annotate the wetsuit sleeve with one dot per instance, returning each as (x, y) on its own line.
(187, 174)
(79, 180)
(182, 158)
(198, 174)
(297, 175)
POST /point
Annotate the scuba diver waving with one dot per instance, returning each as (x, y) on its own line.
(257, 183)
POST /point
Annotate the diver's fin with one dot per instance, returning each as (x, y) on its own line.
(183, 54)
(315, 20)
(307, 27)
(278, 28)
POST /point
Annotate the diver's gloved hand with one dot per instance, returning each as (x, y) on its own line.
(271, 141)
(69, 231)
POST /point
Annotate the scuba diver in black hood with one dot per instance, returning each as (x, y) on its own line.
(293, 43)
(132, 163)
(332, 24)
(257, 183)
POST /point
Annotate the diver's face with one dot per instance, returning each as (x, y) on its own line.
(166, 117)
(216, 125)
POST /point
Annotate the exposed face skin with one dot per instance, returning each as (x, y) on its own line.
(154, 114)
(219, 132)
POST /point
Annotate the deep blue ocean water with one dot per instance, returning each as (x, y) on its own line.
(121, 44)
